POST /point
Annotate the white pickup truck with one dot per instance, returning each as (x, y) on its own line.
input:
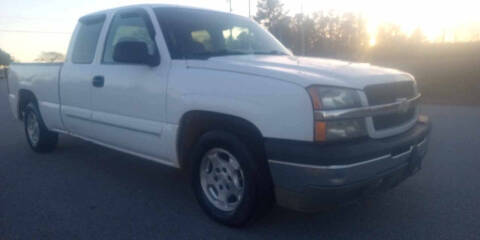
(215, 94)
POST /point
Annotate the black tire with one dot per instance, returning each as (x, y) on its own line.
(258, 194)
(46, 140)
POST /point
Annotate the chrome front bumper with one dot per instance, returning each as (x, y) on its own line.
(338, 175)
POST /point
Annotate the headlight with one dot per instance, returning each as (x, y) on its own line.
(330, 98)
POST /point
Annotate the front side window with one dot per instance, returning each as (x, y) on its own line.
(238, 38)
(129, 26)
(192, 33)
(87, 38)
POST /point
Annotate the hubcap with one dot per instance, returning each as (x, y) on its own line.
(33, 129)
(222, 179)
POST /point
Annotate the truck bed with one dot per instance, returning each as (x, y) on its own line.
(43, 80)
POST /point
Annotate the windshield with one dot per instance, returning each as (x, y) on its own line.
(201, 34)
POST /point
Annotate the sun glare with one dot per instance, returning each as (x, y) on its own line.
(447, 21)
(438, 20)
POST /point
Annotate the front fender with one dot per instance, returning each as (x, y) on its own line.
(278, 109)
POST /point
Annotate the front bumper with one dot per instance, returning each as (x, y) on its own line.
(309, 175)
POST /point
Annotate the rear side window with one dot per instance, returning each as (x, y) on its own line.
(87, 38)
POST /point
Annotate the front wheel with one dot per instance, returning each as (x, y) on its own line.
(39, 138)
(228, 180)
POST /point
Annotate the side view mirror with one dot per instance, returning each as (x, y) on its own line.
(134, 52)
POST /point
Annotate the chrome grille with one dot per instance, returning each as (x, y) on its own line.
(389, 93)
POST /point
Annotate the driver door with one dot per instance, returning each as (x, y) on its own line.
(128, 99)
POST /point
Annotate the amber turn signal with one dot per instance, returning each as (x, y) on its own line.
(317, 104)
(320, 131)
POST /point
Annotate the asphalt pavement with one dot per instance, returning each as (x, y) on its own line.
(84, 191)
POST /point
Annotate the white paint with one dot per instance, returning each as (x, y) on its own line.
(139, 108)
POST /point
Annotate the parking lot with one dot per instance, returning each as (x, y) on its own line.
(84, 191)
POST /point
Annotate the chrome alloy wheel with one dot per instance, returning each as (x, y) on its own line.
(33, 129)
(222, 179)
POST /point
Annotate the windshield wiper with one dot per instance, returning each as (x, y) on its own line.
(222, 52)
(272, 52)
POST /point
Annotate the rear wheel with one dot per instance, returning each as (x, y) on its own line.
(228, 180)
(38, 136)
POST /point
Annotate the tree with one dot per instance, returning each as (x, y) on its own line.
(5, 58)
(417, 37)
(391, 43)
(333, 34)
(50, 57)
(269, 12)
(391, 35)
(352, 35)
(324, 33)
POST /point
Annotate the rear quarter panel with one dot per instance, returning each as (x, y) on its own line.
(279, 109)
(12, 80)
(42, 80)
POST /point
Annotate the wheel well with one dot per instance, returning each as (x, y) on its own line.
(195, 123)
(24, 97)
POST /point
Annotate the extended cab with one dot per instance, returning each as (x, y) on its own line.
(215, 94)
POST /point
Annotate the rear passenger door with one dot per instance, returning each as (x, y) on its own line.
(76, 76)
(128, 108)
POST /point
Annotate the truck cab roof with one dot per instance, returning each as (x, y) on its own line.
(151, 6)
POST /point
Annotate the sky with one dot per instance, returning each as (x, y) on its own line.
(28, 27)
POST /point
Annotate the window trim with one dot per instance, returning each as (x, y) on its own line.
(151, 30)
(88, 20)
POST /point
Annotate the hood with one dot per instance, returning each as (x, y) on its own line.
(304, 71)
